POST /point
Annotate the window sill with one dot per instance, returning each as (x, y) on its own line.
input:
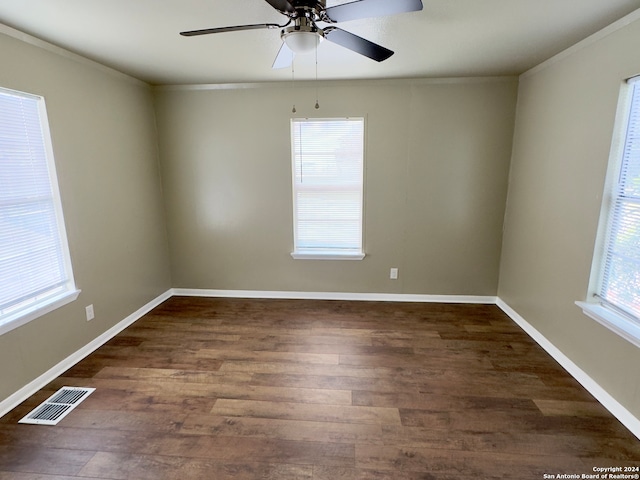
(26, 315)
(320, 255)
(613, 321)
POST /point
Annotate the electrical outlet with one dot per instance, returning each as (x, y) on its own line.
(393, 274)
(89, 311)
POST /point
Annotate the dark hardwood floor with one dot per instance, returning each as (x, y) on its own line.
(240, 389)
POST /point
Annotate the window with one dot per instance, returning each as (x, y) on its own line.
(615, 283)
(327, 160)
(35, 268)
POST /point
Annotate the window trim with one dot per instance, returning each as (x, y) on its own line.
(328, 253)
(319, 255)
(51, 300)
(618, 321)
(24, 316)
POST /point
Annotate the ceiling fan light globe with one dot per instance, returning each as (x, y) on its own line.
(301, 42)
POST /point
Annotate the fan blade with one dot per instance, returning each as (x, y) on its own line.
(207, 31)
(357, 44)
(371, 8)
(284, 58)
(283, 6)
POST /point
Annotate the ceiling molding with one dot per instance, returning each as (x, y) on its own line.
(407, 82)
(62, 52)
(587, 42)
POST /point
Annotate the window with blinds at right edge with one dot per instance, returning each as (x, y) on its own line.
(614, 287)
(620, 276)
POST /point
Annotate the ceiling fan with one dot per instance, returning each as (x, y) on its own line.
(302, 35)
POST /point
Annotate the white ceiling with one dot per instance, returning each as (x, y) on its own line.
(449, 38)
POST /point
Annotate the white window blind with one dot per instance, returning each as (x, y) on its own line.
(34, 257)
(327, 161)
(620, 284)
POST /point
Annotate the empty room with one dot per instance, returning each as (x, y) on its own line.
(309, 240)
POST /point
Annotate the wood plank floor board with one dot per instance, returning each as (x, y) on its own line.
(384, 384)
(157, 387)
(149, 387)
(295, 430)
(510, 385)
(154, 467)
(193, 396)
(514, 421)
(571, 408)
(104, 398)
(254, 449)
(41, 460)
(335, 473)
(117, 419)
(299, 411)
(357, 371)
(242, 389)
(517, 442)
(269, 356)
(92, 440)
(128, 356)
(39, 476)
(464, 463)
(470, 403)
(345, 349)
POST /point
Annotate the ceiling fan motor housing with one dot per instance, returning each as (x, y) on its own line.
(317, 5)
(314, 10)
(302, 37)
(302, 24)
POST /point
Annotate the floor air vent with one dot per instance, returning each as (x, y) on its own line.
(57, 406)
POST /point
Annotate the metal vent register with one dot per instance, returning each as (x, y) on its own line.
(57, 406)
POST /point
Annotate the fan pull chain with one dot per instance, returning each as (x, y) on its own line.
(317, 104)
(293, 110)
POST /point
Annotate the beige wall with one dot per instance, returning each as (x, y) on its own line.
(105, 146)
(563, 131)
(437, 156)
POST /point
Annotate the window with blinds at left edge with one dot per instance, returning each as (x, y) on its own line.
(35, 266)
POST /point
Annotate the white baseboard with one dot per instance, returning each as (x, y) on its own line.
(54, 372)
(371, 297)
(610, 403)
